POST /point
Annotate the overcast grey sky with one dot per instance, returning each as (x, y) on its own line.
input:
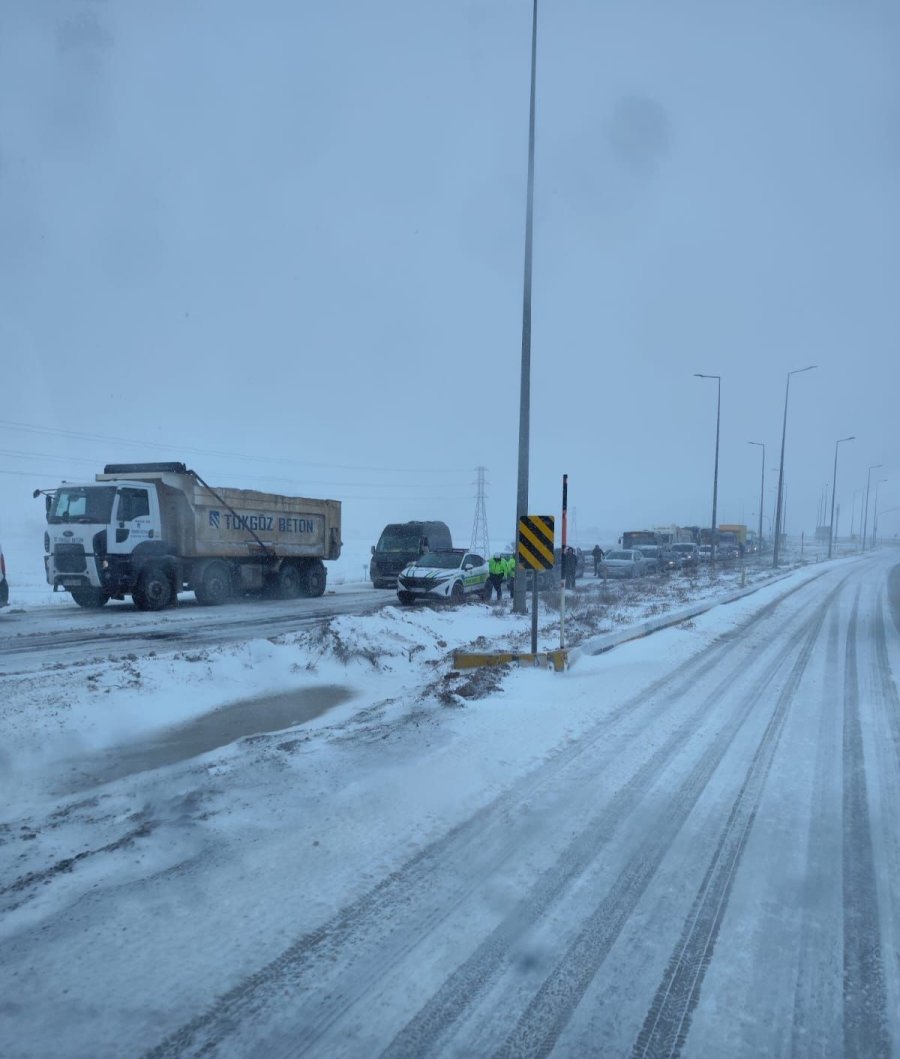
(283, 242)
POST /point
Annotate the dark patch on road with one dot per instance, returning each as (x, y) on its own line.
(67, 864)
(266, 713)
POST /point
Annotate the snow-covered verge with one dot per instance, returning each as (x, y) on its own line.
(59, 720)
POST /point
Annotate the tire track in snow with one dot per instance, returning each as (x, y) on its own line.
(865, 1000)
(423, 1034)
(816, 1022)
(376, 913)
(894, 594)
(668, 1021)
(888, 687)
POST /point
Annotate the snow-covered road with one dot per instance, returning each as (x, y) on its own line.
(47, 636)
(687, 846)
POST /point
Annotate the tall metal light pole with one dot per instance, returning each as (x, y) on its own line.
(712, 540)
(525, 390)
(778, 503)
(834, 490)
(874, 467)
(762, 487)
(875, 512)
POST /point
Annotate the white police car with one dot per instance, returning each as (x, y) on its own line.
(454, 574)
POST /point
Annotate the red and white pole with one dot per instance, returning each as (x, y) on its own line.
(563, 562)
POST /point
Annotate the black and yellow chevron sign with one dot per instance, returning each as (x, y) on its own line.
(535, 546)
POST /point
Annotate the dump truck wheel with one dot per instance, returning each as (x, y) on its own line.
(213, 586)
(154, 591)
(315, 579)
(290, 583)
(90, 598)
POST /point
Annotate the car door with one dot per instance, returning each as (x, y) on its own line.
(474, 573)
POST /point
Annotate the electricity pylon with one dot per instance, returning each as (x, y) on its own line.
(481, 543)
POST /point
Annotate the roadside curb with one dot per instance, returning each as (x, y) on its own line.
(557, 660)
(598, 645)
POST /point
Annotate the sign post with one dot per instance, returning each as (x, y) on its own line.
(563, 563)
(534, 550)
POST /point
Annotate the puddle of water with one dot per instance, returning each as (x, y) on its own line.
(266, 713)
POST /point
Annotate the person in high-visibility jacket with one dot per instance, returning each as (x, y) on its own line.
(511, 574)
(496, 573)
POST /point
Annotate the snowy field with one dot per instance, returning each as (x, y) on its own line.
(174, 844)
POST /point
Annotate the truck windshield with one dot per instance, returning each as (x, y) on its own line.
(82, 504)
(398, 542)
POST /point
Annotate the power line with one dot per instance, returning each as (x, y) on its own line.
(170, 447)
(17, 454)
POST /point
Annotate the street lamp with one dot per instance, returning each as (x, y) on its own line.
(762, 487)
(778, 505)
(525, 382)
(875, 512)
(874, 467)
(712, 541)
(834, 490)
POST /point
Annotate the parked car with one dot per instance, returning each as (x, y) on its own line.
(705, 553)
(688, 555)
(650, 553)
(623, 563)
(669, 559)
(454, 574)
(4, 584)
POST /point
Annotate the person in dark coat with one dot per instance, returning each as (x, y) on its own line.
(570, 562)
(598, 559)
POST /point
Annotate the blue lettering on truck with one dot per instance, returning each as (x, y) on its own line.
(296, 525)
(264, 523)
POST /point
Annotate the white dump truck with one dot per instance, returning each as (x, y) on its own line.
(152, 530)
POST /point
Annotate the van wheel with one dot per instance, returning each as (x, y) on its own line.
(213, 586)
(290, 583)
(154, 589)
(314, 578)
(90, 598)
(457, 594)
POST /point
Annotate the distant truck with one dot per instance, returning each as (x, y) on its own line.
(669, 535)
(152, 530)
(400, 543)
(738, 530)
(634, 538)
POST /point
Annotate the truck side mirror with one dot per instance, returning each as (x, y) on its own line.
(373, 549)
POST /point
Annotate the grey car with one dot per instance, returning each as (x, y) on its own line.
(688, 555)
(650, 553)
(624, 563)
